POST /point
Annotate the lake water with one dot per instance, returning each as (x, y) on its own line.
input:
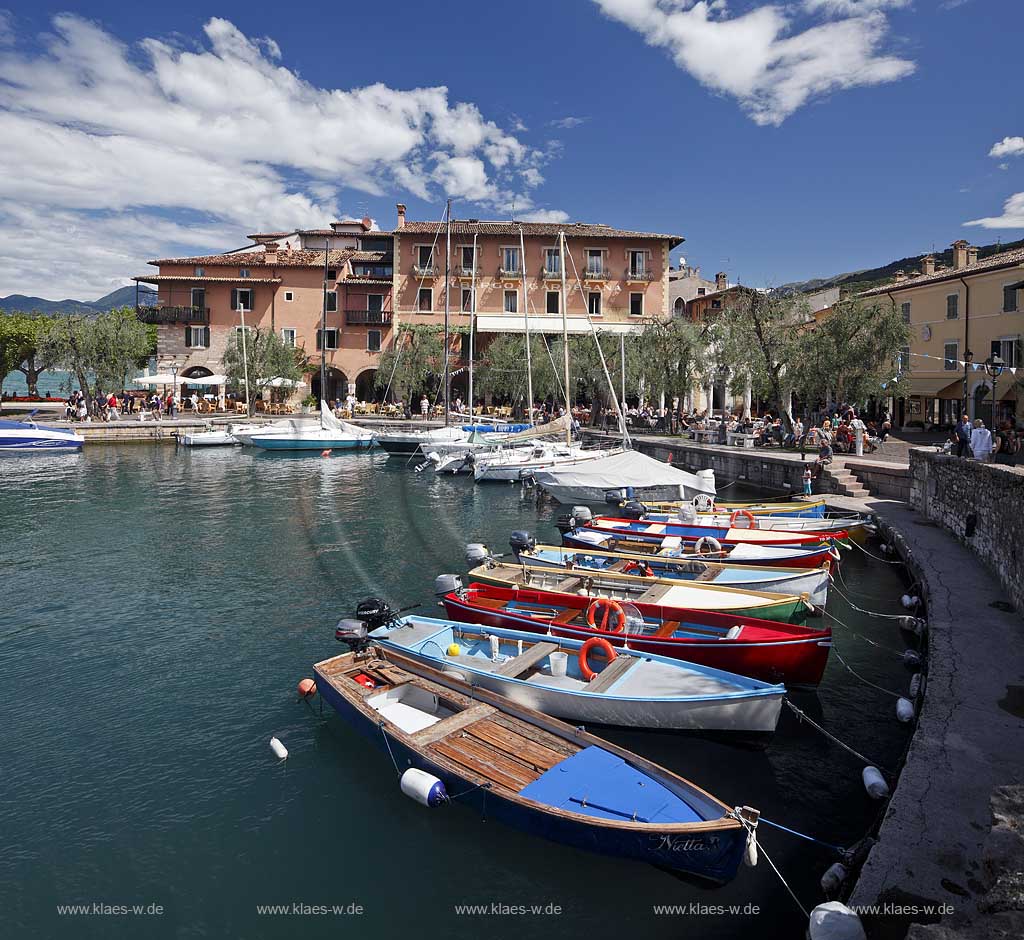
(157, 609)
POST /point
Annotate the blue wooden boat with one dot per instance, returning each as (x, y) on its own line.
(452, 742)
(561, 676)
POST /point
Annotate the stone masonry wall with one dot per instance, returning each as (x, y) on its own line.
(982, 505)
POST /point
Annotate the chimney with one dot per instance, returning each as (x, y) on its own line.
(901, 275)
(367, 223)
(972, 254)
(721, 281)
(959, 253)
(270, 252)
(401, 215)
(928, 264)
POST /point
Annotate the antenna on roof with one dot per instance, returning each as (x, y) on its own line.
(513, 219)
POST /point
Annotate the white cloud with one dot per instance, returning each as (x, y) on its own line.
(852, 7)
(1008, 147)
(1012, 217)
(758, 58)
(567, 123)
(543, 215)
(220, 128)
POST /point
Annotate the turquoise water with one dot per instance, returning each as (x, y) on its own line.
(157, 609)
(53, 383)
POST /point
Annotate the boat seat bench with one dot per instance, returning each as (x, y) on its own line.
(486, 761)
(617, 668)
(525, 660)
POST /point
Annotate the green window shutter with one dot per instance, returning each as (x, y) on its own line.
(234, 299)
(319, 339)
(188, 336)
(206, 337)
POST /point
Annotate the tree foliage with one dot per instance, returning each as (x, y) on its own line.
(99, 351)
(21, 336)
(265, 358)
(409, 367)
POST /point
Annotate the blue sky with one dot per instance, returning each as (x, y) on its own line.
(783, 141)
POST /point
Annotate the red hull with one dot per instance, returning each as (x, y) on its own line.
(767, 650)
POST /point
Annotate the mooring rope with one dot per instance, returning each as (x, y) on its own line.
(861, 610)
(861, 636)
(752, 833)
(803, 716)
(875, 597)
(388, 743)
(803, 835)
(888, 561)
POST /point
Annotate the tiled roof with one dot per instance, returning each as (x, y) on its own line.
(1004, 259)
(366, 280)
(253, 259)
(571, 229)
(268, 235)
(167, 278)
(371, 256)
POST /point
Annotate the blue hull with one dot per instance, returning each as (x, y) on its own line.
(714, 856)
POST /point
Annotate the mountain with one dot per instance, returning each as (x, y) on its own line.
(854, 281)
(122, 297)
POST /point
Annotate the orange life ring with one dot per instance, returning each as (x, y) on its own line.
(608, 606)
(595, 642)
(641, 566)
(745, 514)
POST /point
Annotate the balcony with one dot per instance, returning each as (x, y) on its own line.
(639, 274)
(467, 272)
(551, 274)
(596, 274)
(367, 317)
(510, 273)
(173, 314)
(424, 270)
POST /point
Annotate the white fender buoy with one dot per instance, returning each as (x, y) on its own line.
(910, 601)
(280, 751)
(916, 685)
(914, 624)
(835, 921)
(750, 852)
(911, 658)
(886, 548)
(424, 788)
(904, 710)
(874, 783)
(834, 878)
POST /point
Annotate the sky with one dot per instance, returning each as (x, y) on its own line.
(783, 140)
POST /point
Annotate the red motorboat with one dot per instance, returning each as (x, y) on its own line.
(763, 649)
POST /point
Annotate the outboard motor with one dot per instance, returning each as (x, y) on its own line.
(566, 523)
(352, 632)
(521, 541)
(614, 497)
(477, 553)
(633, 509)
(374, 612)
(582, 514)
(687, 514)
(447, 584)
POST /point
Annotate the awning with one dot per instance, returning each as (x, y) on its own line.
(158, 378)
(934, 387)
(286, 383)
(513, 323)
(204, 380)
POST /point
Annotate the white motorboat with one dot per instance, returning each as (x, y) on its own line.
(27, 437)
(510, 464)
(330, 433)
(212, 437)
(244, 433)
(629, 474)
(550, 674)
(406, 443)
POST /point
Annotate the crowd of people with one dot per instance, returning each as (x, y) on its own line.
(973, 439)
(114, 406)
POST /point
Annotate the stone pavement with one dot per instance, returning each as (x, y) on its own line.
(969, 738)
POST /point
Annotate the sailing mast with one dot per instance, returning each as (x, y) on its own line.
(447, 307)
(526, 323)
(472, 321)
(323, 336)
(565, 341)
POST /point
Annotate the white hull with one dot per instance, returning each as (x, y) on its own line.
(26, 437)
(208, 439)
(512, 467)
(571, 494)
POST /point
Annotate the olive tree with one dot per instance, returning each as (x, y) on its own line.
(264, 358)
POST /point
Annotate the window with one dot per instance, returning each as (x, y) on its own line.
(199, 272)
(951, 357)
(468, 261)
(197, 337)
(903, 360)
(241, 298)
(1008, 350)
(198, 297)
(424, 256)
(552, 302)
(510, 260)
(464, 347)
(594, 303)
(425, 300)
(595, 261)
(953, 307)
(327, 339)
(467, 299)
(373, 340)
(905, 310)
(1009, 300)
(332, 301)
(288, 337)
(289, 296)
(637, 263)
(701, 291)
(512, 301)
(331, 275)
(636, 304)
(716, 305)
(552, 261)
(243, 272)
(375, 303)
(679, 306)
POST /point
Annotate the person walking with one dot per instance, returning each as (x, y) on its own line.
(859, 427)
(424, 406)
(963, 436)
(807, 481)
(1006, 445)
(981, 441)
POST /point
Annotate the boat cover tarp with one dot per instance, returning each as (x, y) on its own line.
(597, 783)
(629, 468)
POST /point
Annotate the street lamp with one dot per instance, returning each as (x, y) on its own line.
(968, 359)
(994, 367)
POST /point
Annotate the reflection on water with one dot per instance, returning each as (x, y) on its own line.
(158, 607)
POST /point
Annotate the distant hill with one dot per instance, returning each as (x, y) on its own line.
(123, 296)
(854, 281)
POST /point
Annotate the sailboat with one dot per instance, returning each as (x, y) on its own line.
(331, 434)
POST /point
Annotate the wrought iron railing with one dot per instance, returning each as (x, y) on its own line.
(173, 314)
(367, 317)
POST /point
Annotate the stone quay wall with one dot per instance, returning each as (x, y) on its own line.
(982, 505)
